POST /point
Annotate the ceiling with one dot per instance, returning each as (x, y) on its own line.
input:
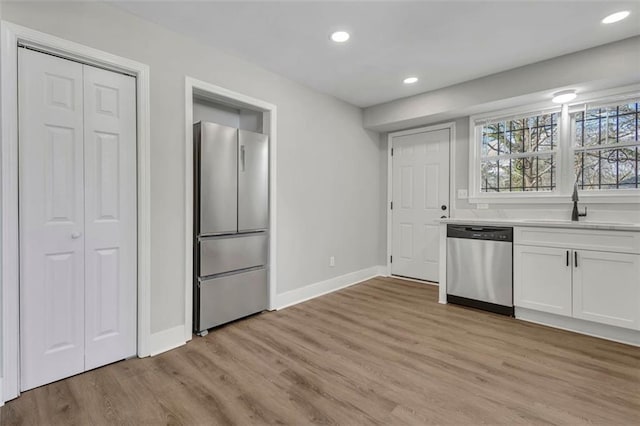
(440, 42)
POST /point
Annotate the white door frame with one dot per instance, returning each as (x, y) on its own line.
(237, 100)
(12, 35)
(452, 137)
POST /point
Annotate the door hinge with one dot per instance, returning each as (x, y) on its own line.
(392, 205)
(390, 259)
(392, 152)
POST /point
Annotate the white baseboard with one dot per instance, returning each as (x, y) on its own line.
(311, 291)
(174, 337)
(383, 271)
(603, 331)
(166, 340)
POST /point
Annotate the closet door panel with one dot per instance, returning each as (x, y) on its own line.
(51, 216)
(110, 216)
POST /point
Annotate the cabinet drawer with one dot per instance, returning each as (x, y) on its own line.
(584, 239)
(219, 255)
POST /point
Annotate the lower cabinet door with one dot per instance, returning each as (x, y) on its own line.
(606, 288)
(230, 297)
(542, 279)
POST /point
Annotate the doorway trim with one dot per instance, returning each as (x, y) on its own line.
(269, 126)
(13, 35)
(452, 175)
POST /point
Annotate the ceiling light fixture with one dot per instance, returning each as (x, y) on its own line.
(615, 17)
(410, 80)
(564, 96)
(340, 36)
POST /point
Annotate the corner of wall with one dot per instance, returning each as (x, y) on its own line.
(383, 271)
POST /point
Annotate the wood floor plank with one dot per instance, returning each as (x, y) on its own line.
(380, 352)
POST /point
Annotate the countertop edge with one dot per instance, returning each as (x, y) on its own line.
(630, 227)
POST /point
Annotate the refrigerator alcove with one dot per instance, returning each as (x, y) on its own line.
(230, 224)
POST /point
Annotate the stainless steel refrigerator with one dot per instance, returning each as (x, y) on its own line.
(231, 224)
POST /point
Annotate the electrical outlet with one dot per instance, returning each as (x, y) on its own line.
(463, 194)
(332, 261)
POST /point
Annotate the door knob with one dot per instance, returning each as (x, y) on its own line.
(443, 207)
(76, 235)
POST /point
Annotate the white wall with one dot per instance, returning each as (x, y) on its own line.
(1, 304)
(329, 200)
(204, 110)
(602, 67)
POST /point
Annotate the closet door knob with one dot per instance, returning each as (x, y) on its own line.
(76, 235)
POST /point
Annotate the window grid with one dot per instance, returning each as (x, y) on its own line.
(604, 116)
(509, 131)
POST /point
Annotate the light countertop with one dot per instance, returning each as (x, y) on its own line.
(547, 223)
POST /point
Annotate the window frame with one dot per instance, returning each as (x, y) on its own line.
(564, 154)
(609, 146)
(518, 155)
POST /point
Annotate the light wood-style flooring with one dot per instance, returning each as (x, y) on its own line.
(380, 352)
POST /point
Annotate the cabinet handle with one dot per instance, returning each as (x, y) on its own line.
(575, 258)
(567, 257)
(242, 157)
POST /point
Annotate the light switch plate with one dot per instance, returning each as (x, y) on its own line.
(463, 194)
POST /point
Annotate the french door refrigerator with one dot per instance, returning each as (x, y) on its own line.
(231, 224)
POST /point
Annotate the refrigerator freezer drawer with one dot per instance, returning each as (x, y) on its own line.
(231, 297)
(219, 255)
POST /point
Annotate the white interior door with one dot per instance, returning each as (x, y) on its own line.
(110, 216)
(77, 211)
(51, 213)
(420, 190)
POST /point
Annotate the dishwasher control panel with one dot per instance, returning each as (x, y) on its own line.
(492, 233)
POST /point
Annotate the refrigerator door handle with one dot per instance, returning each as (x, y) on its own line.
(242, 157)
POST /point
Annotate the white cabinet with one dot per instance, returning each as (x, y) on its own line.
(606, 288)
(585, 274)
(542, 279)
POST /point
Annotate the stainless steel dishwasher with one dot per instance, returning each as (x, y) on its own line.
(480, 267)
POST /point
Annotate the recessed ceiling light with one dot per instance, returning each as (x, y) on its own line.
(340, 36)
(564, 96)
(615, 17)
(410, 80)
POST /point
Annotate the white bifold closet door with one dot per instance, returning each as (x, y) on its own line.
(77, 211)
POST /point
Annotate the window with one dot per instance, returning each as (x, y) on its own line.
(519, 154)
(606, 147)
(538, 153)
